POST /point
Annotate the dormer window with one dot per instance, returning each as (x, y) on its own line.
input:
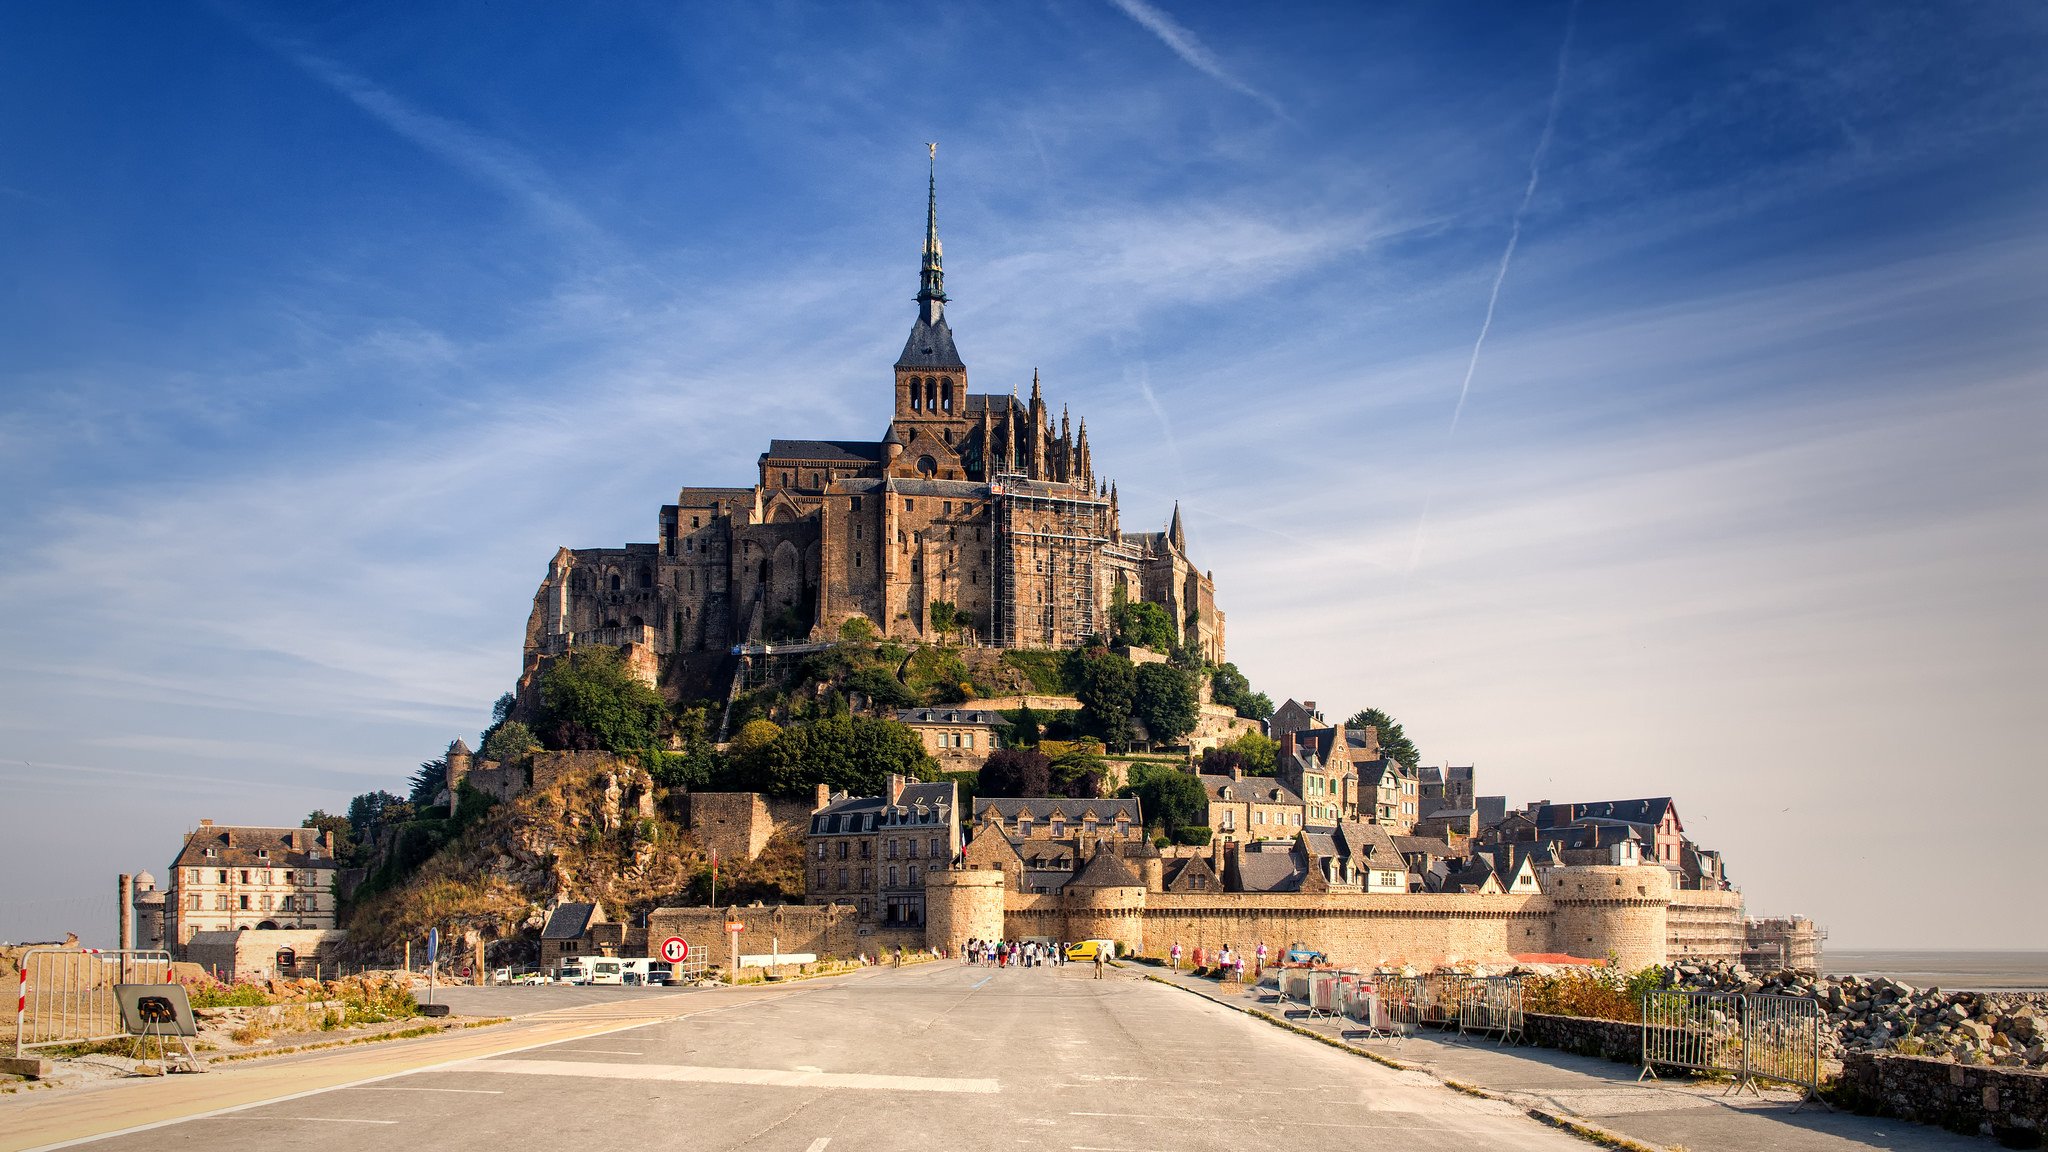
(263, 853)
(210, 854)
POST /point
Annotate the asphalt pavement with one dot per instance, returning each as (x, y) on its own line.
(934, 1056)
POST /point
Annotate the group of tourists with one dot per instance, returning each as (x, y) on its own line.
(1022, 953)
(1229, 963)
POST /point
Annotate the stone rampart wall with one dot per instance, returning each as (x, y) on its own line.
(1607, 1039)
(1354, 929)
(2009, 1103)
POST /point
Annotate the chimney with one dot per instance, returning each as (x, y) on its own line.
(895, 787)
(206, 823)
(824, 797)
(1286, 746)
(1236, 771)
(125, 922)
(327, 841)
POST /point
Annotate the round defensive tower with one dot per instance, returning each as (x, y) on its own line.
(962, 904)
(1610, 911)
(1106, 901)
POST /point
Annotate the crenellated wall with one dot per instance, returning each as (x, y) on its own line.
(1592, 913)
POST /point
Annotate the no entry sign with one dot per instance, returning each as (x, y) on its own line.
(675, 949)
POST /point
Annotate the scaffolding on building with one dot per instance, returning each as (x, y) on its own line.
(1047, 539)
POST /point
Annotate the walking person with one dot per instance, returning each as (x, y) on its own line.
(1098, 961)
(1175, 953)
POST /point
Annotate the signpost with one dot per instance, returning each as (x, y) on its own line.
(733, 928)
(433, 950)
(675, 949)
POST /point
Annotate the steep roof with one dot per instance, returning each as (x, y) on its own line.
(931, 346)
(1269, 872)
(830, 451)
(1256, 789)
(568, 921)
(239, 847)
(1040, 807)
(950, 716)
(1646, 811)
(1373, 845)
(1106, 870)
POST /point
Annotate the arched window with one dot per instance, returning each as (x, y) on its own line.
(946, 393)
(615, 581)
(931, 394)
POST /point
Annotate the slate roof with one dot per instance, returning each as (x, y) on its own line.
(1647, 811)
(237, 847)
(1106, 871)
(848, 815)
(1040, 807)
(1186, 868)
(950, 716)
(831, 451)
(930, 346)
(1372, 845)
(1257, 789)
(1492, 809)
(1429, 774)
(568, 921)
(1471, 877)
(1269, 872)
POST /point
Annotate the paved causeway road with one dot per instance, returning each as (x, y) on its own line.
(936, 1056)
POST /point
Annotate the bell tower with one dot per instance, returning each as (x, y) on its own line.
(931, 380)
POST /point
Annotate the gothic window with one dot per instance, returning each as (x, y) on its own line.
(785, 480)
(615, 581)
(814, 480)
(946, 392)
(931, 395)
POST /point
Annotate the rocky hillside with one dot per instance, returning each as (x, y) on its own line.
(602, 834)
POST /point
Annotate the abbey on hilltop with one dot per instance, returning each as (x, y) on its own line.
(972, 502)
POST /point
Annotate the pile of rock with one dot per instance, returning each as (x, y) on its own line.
(1881, 1014)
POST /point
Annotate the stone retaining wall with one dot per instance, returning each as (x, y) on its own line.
(2009, 1103)
(1608, 1039)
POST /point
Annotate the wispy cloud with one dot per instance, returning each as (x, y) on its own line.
(1189, 47)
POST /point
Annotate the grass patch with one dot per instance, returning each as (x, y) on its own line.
(1046, 669)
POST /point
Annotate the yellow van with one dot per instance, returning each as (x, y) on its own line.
(1085, 950)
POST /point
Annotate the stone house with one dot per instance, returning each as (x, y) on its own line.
(958, 738)
(1656, 817)
(581, 929)
(873, 851)
(1293, 716)
(1251, 807)
(1449, 786)
(230, 878)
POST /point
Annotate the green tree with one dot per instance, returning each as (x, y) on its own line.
(1252, 754)
(427, 782)
(508, 742)
(944, 616)
(881, 687)
(1106, 686)
(1394, 743)
(1173, 800)
(1230, 688)
(1024, 728)
(1165, 701)
(854, 754)
(346, 850)
(1078, 770)
(592, 700)
(373, 810)
(1144, 624)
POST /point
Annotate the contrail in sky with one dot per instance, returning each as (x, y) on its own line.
(1528, 193)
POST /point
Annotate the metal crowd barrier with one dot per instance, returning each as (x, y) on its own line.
(1294, 984)
(1322, 994)
(1781, 1041)
(1492, 1004)
(1750, 1037)
(66, 995)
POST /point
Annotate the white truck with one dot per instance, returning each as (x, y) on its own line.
(593, 970)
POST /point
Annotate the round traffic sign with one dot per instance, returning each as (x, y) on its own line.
(675, 949)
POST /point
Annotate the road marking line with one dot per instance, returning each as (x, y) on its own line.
(233, 1109)
(764, 1077)
(819, 1144)
(1278, 1123)
(313, 1119)
(604, 1052)
(403, 1088)
(983, 980)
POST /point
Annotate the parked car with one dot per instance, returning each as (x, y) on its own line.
(1299, 953)
(1085, 950)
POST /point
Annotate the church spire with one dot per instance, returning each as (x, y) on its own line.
(1173, 532)
(931, 286)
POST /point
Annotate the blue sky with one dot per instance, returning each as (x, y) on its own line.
(326, 324)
